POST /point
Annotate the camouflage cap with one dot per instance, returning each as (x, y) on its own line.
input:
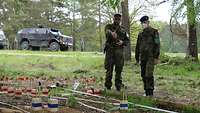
(144, 18)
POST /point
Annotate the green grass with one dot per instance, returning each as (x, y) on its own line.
(36, 64)
(175, 78)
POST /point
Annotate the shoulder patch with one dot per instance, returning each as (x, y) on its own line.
(156, 38)
(127, 35)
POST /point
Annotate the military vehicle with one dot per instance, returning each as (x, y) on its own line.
(54, 40)
(3, 40)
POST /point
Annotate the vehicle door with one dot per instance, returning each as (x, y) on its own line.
(44, 38)
(31, 34)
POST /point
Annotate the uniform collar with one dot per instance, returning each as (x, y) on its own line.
(148, 28)
(115, 25)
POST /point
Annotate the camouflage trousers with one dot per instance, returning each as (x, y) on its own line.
(114, 58)
(147, 69)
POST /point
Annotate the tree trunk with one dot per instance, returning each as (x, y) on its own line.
(100, 36)
(82, 44)
(192, 36)
(172, 37)
(73, 27)
(126, 24)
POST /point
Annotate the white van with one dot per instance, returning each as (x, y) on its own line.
(3, 40)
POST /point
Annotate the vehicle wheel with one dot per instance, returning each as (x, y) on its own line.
(24, 45)
(1, 47)
(54, 46)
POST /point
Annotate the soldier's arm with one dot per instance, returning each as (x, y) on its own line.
(156, 51)
(137, 52)
(125, 36)
(108, 31)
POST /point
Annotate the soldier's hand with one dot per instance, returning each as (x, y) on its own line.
(156, 61)
(114, 34)
(120, 42)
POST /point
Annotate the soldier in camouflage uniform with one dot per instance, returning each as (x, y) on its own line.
(116, 39)
(147, 54)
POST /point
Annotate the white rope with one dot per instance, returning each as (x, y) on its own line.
(153, 108)
(91, 107)
(80, 92)
(138, 105)
(14, 107)
(97, 102)
(148, 107)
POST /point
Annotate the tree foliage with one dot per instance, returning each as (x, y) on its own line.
(112, 3)
(18, 14)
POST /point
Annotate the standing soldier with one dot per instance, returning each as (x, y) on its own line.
(147, 54)
(116, 39)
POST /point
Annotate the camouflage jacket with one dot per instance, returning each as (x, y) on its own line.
(148, 44)
(121, 35)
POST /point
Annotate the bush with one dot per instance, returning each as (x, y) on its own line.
(72, 102)
(176, 61)
(164, 58)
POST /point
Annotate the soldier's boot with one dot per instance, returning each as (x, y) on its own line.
(108, 78)
(118, 82)
(119, 87)
(148, 85)
(118, 77)
(148, 92)
(108, 84)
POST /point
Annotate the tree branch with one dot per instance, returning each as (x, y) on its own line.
(156, 4)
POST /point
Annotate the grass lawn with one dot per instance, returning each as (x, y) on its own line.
(48, 63)
(176, 79)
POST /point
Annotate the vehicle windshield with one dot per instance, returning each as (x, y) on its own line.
(56, 33)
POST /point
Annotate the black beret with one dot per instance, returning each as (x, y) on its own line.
(144, 18)
(117, 15)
